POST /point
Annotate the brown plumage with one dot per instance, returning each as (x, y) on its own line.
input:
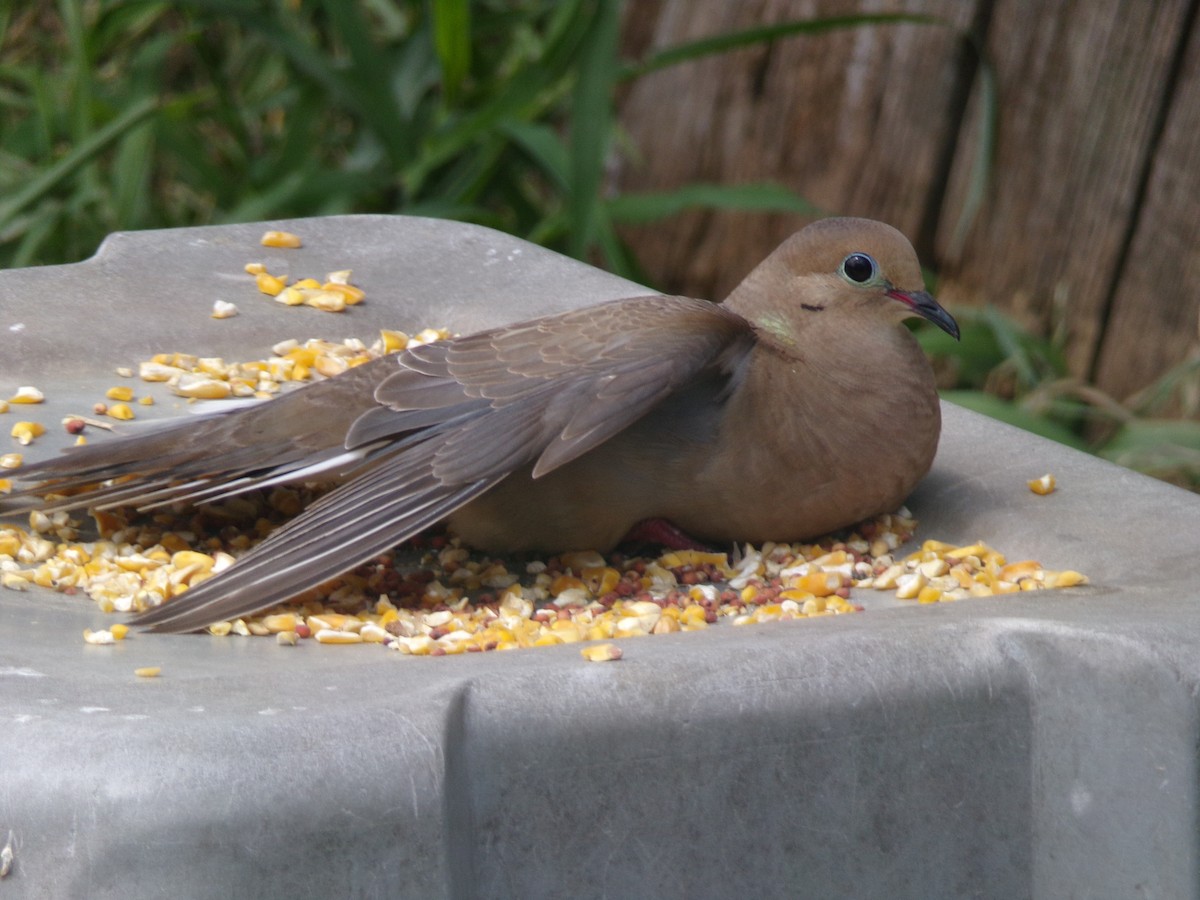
(799, 405)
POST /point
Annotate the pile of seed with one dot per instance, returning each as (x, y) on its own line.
(443, 598)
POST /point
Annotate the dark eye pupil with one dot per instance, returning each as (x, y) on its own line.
(858, 267)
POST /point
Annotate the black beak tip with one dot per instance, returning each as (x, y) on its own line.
(925, 306)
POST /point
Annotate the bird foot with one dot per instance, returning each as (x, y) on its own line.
(660, 531)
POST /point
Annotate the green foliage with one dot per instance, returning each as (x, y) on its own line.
(120, 114)
(125, 114)
(1006, 373)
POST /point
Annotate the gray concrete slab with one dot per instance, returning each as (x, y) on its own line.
(1035, 745)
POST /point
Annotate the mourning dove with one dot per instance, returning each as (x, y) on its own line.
(799, 405)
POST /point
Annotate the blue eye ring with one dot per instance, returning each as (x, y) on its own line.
(859, 268)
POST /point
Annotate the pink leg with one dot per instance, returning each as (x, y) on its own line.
(660, 531)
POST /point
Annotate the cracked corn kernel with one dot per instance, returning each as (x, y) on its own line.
(282, 239)
(121, 392)
(25, 432)
(11, 460)
(3, 406)
(148, 671)
(271, 285)
(223, 309)
(27, 394)
(201, 387)
(335, 636)
(601, 653)
(1043, 486)
(122, 411)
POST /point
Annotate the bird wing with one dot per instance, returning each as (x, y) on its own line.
(191, 458)
(452, 419)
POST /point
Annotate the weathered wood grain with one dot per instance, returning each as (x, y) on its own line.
(1082, 86)
(860, 122)
(1154, 321)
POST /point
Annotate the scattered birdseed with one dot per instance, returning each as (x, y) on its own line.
(25, 432)
(602, 653)
(1044, 485)
(6, 856)
(284, 239)
(27, 394)
(445, 599)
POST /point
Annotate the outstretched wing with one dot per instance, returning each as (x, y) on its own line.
(444, 423)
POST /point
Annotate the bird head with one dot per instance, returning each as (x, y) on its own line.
(832, 271)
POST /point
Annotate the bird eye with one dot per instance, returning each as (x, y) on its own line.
(859, 267)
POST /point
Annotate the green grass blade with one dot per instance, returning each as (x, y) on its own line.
(452, 40)
(78, 156)
(591, 124)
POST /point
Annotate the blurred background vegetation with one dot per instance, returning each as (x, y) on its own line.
(130, 114)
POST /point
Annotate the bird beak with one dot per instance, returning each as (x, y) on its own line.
(925, 306)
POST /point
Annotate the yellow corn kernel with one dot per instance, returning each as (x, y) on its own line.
(307, 284)
(4, 405)
(290, 296)
(601, 630)
(254, 268)
(601, 653)
(281, 622)
(282, 239)
(121, 392)
(201, 387)
(11, 460)
(119, 631)
(328, 301)
(5, 487)
(929, 594)
(600, 580)
(677, 558)
(979, 549)
(270, 284)
(27, 394)
(351, 294)
(393, 340)
(148, 671)
(332, 636)
(819, 584)
(25, 432)
(1042, 486)
(1016, 571)
(121, 411)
